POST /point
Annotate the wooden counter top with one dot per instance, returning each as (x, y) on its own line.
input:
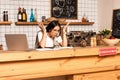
(19, 65)
(48, 54)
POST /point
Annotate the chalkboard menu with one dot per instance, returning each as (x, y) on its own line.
(64, 9)
(116, 23)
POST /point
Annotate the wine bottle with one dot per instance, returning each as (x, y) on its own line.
(32, 16)
(19, 15)
(24, 15)
(35, 15)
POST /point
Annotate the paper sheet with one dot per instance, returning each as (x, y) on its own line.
(44, 49)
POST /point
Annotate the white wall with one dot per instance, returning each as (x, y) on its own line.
(105, 14)
(116, 4)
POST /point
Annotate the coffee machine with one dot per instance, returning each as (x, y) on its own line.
(79, 38)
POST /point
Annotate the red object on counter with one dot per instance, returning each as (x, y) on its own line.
(107, 51)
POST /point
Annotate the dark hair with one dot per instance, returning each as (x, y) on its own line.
(53, 24)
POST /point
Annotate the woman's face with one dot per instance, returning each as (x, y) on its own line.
(54, 32)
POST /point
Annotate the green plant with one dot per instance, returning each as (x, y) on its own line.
(106, 33)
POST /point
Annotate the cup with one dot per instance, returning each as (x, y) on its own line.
(43, 18)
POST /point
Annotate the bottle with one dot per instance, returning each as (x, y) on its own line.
(84, 18)
(87, 20)
(0, 18)
(19, 15)
(5, 15)
(95, 42)
(91, 42)
(24, 15)
(1, 47)
(35, 15)
(32, 16)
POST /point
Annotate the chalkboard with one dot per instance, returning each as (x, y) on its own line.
(116, 23)
(64, 9)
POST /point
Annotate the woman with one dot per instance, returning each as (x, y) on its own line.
(51, 35)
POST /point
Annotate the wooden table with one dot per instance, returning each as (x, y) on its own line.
(81, 63)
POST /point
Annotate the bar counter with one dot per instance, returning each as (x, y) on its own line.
(77, 61)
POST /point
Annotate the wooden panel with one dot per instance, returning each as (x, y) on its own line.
(50, 78)
(33, 55)
(109, 75)
(58, 67)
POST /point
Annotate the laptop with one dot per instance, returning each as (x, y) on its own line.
(16, 42)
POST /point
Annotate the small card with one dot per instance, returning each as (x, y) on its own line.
(107, 51)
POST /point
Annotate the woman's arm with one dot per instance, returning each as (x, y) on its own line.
(42, 41)
(64, 42)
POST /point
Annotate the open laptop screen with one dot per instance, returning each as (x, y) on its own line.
(16, 42)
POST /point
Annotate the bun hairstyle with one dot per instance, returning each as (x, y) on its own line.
(53, 24)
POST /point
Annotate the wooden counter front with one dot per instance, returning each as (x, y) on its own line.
(38, 64)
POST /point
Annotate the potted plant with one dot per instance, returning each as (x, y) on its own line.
(108, 38)
(106, 33)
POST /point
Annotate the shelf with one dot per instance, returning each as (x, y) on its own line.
(5, 23)
(74, 23)
(26, 23)
(62, 23)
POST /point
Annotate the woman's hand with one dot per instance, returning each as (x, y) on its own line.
(42, 42)
(65, 27)
(41, 26)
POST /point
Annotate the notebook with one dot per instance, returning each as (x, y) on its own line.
(16, 42)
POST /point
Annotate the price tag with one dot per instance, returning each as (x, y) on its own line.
(107, 51)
